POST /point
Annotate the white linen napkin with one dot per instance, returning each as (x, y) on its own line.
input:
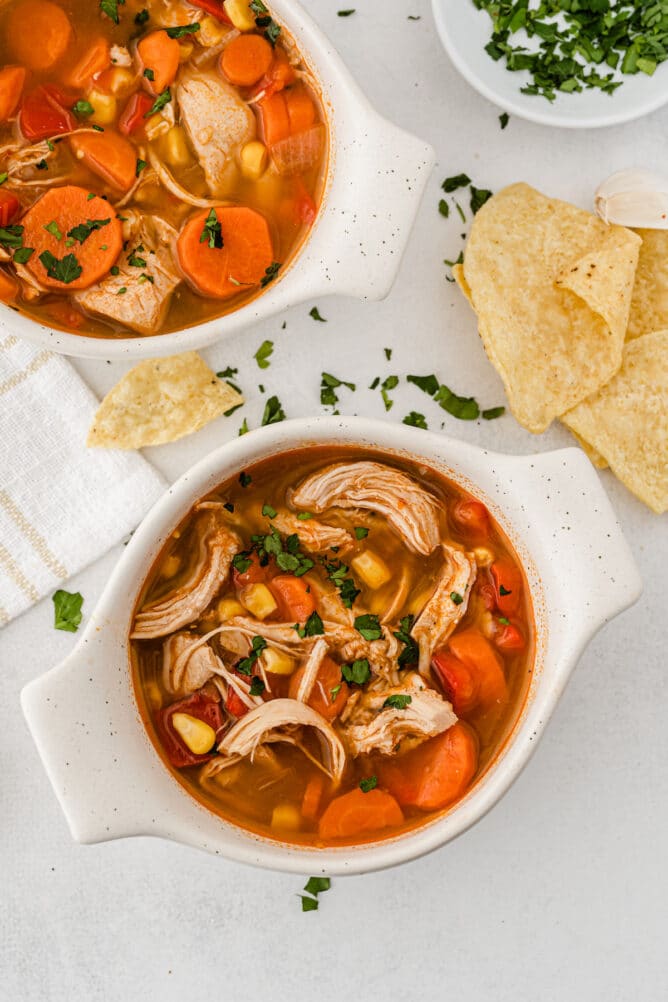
(61, 505)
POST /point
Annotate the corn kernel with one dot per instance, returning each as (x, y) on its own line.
(278, 663)
(197, 735)
(212, 32)
(104, 107)
(253, 159)
(174, 147)
(170, 566)
(286, 817)
(240, 14)
(483, 556)
(373, 571)
(185, 51)
(258, 599)
(227, 608)
(120, 81)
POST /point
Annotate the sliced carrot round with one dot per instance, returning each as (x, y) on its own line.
(436, 773)
(39, 33)
(95, 59)
(240, 264)
(108, 155)
(357, 814)
(246, 59)
(12, 79)
(159, 55)
(61, 210)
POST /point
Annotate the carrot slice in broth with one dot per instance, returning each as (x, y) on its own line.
(357, 813)
(12, 79)
(108, 155)
(222, 272)
(39, 33)
(96, 58)
(69, 207)
(159, 54)
(246, 60)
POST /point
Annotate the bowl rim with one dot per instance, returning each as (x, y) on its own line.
(517, 106)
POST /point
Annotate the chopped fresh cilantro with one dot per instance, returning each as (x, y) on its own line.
(83, 109)
(139, 167)
(149, 74)
(67, 610)
(374, 383)
(464, 408)
(263, 354)
(428, 384)
(245, 479)
(334, 691)
(504, 620)
(315, 314)
(410, 654)
(368, 784)
(54, 229)
(328, 386)
(245, 666)
(397, 702)
(82, 231)
(456, 597)
(345, 13)
(212, 232)
(64, 270)
(504, 591)
(161, 100)
(42, 165)
(243, 430)
(273, 412)
(270, 274)
(268, 511)
(388, 354)
(504, 119)
(257, 686)
(388, 384)
(416, 420)
(3, 177)
(241, 562)
(313, 627)
(493, 412)
(414, 17)
(121, 292)
(309, 904)
(361, 532)
(478, 198)
(303, 516)
(23, 254)
(11, 236)
(183, 29)
(444, 208)
(357, 673)
(336, 572)
(135, 261)
(114, 270)
(228, 373)
(457, 181)
(369, 626)
(316, 885)
(110, 8)
(142, 17)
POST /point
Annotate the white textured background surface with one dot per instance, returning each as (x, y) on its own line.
(561, 892)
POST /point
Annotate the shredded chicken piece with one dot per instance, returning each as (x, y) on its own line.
(373, 727)
(216, 120)
(186, 668)
(277, 720)
(399, 597)
(22, 157)
(173, 186)
(148, 290)
(442, 613)
(412, 511)
(311, 669)
(218, 546)
(314, 536)
(120, 56)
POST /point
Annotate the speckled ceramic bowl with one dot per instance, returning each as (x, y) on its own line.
(83, 715)
(375, 179)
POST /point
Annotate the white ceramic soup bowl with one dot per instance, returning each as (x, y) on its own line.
(83, 714)
(375, 179)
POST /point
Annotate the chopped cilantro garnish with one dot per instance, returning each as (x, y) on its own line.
(313, 627)
(303, 516)
(336, 572)
(245, 479)
(315, 314)
(183, 29)
(212, 232)
(149, 74)
(493, 412)
(11, 236)
(478, 198)
(245, 666)
(456, 597)
(135, 261)
(444, 208)
(388, 384)
(3, 177)
(504, 591)
(42, 165)
(268, 511)
(316, 885)
(273, 412)
(67, 610)
(345, 13)
(257, 686)
(429, 384)
(270, 274)
(357, 673)
(54, 229)
(457, 181)
(121, 292)
(228, 373)
(369, 626)
(110, 8)
(410, 654)
(504, 620)
(241, 562)
(64, 270)
(263, 354)
(388, 353)
(142, 17)
(368, 784)
(334, 691)
(361, 532)
(83, 109)
(308, 904)
(243, 430)
(23, 254)
(328, 385)
(139, 167)
(416, 420)
(464, 408)
(82, 231)
(161, 100)
(504, 118)
(397, 702)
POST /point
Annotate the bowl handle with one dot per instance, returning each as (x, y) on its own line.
(369, 210)
(586, 566)
(78, 714)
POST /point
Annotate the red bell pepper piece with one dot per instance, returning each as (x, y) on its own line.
(508, 585)
(134, 114)
(9, 207)
(509, 638)
(198, 705)
(214, 7)
(44, 113)
(471, 517)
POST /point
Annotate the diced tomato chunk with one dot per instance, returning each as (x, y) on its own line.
(459, 684)
(198, 705)
(234, 704)
(133, 116)
(254, 574)
(9, 207)
(507, 579)
(471, 517)
(509, 638)
(329, 694)
(44, 113)
(483, 663)
(436, 773)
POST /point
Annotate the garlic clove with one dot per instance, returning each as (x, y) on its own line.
(636, 198)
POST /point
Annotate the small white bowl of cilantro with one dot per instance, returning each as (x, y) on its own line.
(571, 63)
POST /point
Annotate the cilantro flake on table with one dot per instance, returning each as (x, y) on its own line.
(67, 610)
(314, 313)
(263, 354)
(328, 386)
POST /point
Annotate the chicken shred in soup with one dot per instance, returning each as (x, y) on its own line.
(160, 160)
(333, 646)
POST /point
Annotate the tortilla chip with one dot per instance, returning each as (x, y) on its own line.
(159, 401)
(649, 303)
(551, 285)
(627, 421)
